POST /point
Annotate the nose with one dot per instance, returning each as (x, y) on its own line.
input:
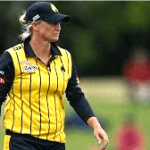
(58, 26)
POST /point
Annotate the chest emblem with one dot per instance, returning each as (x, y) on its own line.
(28, 67)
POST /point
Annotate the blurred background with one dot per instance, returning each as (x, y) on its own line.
(103, 38)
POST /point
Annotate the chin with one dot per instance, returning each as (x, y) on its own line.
(52, 41)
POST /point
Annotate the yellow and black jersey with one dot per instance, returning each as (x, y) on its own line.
(34, 92)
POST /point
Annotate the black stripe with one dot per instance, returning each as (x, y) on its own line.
(39, 97)
(63, 72)
(48, 103)
(68, 62)
(63, 87)
(13, 107)
(30, 85)
(55, 99)
(21, 95)
(30, 88)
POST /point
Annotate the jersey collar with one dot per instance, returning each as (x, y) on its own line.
(29, 52)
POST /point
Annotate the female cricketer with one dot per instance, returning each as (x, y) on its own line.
(33, 82)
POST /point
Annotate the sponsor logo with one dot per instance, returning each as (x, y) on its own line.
(25, 63)
(36, 17)
(54, 9)
(2, 72)
(2, 81)
(29, 68)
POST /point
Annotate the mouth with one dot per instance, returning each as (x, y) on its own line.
(57, 33)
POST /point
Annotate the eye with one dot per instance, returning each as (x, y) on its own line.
(54, 24)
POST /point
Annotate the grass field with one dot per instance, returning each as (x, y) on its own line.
(1, 135)
(108, 98)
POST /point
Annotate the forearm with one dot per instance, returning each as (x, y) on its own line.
(93, 122)
(82, 107)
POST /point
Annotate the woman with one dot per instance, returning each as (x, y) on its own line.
(35, 77)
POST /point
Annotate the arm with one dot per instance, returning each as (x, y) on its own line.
(80, 104)
(6, 76)
(98, 131)
(77, 99)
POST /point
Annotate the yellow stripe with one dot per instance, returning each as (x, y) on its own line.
(55, 99)
(6, 142)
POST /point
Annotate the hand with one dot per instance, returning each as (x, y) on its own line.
(99, 133)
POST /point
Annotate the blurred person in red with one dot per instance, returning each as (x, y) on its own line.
(137, 74)
(129, 136)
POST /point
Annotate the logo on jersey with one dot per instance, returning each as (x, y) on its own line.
(2, 81)
(17, 47)
(25, 62)
(29, 68)
(1, 72)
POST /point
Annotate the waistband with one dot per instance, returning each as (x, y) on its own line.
(30, 138)
(8, 132)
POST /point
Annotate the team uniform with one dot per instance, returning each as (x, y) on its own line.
(34, 94)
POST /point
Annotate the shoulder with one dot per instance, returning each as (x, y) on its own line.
(5, 59)
(15, 48)
(16, 51)
(8, 53)
(64, 51)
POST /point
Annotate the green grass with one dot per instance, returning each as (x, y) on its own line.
(1, 136)
(115, 115)
(108, 98)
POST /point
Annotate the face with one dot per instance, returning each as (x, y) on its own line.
(48, 31)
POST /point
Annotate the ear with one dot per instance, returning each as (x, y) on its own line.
(35, 26)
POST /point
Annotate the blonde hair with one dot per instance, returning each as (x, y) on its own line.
(26, 27)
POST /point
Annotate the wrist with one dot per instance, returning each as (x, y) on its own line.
(93, 122)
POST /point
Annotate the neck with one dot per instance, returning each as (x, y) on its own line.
(41, 48)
